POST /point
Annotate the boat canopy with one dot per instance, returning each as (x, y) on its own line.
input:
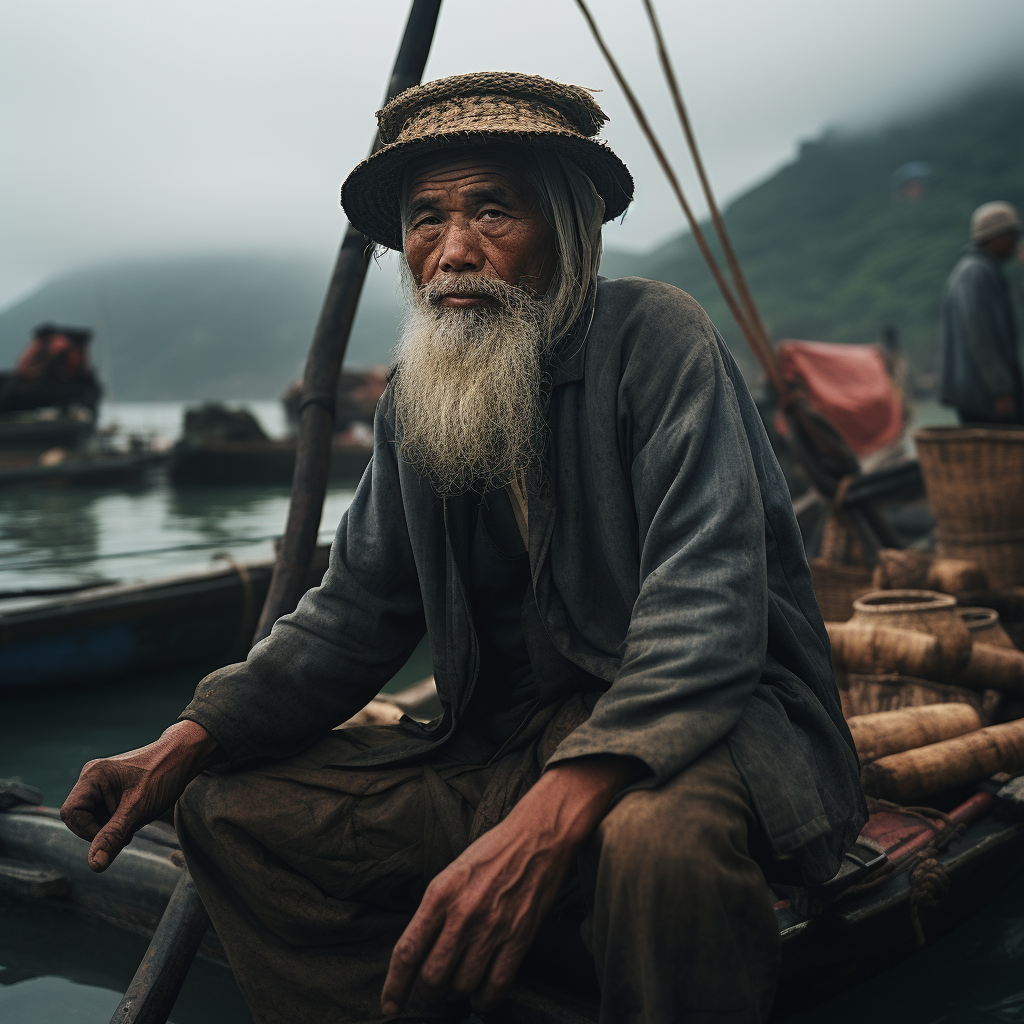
(850, 385)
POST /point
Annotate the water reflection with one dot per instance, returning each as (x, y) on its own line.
(43, 527)
(63, 536)
(56, 966)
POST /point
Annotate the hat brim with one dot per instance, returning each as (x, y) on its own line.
(372, 193)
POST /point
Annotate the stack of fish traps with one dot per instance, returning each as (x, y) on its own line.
(944, 684)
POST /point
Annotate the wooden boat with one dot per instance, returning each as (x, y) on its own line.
(100, 469)
(257, 462)
(36, 435)
(824, 951)
(23, 394)
(100, 633)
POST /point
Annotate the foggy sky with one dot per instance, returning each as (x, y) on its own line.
(135, 128)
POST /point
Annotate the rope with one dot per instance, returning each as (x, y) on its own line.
(928, 884)
(324, 399)
(105, 555)
(248, 621)
(928, 879)
(928, 815)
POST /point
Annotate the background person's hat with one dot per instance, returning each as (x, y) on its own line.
(477, 109)
(993, 219)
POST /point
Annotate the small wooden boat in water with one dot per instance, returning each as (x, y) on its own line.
(99, 469)
(100, 633)
(830, 939)
(258, 462)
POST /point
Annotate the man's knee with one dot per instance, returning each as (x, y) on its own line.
(191, 813)
(209, 810)
(690, 832)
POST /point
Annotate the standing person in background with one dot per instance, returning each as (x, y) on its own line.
(981, 372)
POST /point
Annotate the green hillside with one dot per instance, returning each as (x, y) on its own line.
(832, 254)
(221, 327)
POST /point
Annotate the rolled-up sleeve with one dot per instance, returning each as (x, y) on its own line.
(344, 641)
(695, 647)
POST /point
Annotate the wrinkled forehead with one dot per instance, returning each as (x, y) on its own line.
(503, 166)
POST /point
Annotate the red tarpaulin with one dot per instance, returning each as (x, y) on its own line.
(850, 385)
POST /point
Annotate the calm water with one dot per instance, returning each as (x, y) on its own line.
(56, 967)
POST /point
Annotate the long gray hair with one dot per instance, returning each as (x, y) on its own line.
(575, 211)
(570, 204)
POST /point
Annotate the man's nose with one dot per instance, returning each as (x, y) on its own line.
(461, 250)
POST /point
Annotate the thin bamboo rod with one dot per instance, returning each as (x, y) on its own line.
(752, 339)
(735, 270)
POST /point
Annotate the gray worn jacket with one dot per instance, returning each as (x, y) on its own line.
(668, 572)
(978, 338)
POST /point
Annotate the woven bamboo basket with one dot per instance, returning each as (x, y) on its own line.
(837, 586)
(985, 626)
(862, 695)
(865, 694)
(975, 482)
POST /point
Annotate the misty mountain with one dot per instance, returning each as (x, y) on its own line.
(223, 327)
(833, 250)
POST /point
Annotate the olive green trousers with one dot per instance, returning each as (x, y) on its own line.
(310, 874)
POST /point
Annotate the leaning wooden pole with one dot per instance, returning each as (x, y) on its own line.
(175, 942)
(323, 365)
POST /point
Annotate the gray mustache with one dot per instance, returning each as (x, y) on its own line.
(502, 292)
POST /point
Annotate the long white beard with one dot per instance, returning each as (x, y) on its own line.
(468, 387)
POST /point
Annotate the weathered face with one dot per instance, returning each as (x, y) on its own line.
(476, 215)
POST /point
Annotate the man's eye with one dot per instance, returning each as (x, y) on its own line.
(426, 221)
(492, 214)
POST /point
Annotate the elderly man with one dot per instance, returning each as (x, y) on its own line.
(981, 372)
(572, 496)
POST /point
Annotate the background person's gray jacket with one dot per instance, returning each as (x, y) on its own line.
(978, 338)
(668, 570)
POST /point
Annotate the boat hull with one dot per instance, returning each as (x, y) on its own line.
(821, 956)
(258, 462)
(103, 633)
(111, 469)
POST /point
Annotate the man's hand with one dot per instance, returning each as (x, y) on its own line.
(115, 796)
(1004, 407)
(479, 916)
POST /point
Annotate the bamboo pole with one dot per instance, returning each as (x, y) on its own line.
(876, 649)
(765, 358)
(909, 777)
(326, 354)
(891, 732)
(738, 278)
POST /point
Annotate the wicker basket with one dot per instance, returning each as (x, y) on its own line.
(837, 586)
(863, 695)
(975, 482)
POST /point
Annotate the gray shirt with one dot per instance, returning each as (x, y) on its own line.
(978, 338)
(667, 570)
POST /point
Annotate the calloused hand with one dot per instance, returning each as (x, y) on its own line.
(115, 796)
(478, 917)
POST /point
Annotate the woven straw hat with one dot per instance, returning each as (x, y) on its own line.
(991, 219)
(477, 109)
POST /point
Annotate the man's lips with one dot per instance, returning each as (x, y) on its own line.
(457, 300)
